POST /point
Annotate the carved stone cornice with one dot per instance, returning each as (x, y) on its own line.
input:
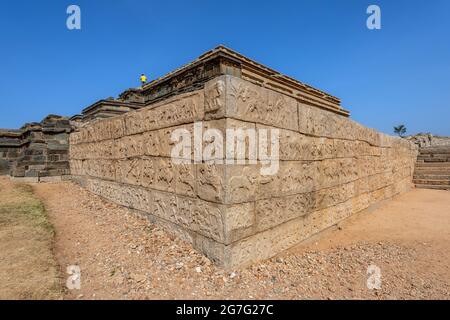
(51, 124)
(224, 61)
(107, 108)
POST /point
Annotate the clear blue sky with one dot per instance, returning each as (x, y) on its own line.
(399, 74)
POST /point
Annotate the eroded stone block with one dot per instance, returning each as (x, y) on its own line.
(247, 101)
(186, 108)
(211, 182)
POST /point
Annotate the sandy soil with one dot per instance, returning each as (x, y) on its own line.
(28, 269)
(122, 256)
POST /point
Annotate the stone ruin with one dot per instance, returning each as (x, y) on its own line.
(424, 140)
(37, 151)
(432, 170)
(329, 167)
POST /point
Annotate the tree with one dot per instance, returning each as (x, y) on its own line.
(400, 130)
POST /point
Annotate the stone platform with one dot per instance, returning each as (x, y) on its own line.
(37, 151)
(432, 169)
(329, 167)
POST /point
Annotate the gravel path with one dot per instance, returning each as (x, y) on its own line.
(122, 256)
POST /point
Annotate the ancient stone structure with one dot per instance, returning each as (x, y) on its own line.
(10, 142)
(429, 140)
(433, 167)
(106, 108)
(330, 167)
(38, 151)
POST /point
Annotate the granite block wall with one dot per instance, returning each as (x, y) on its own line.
(329, 168)
(37, 151)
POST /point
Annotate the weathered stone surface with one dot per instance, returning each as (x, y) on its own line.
(202, 217)
(151, 143)
(196, 215)
(274, 211)
(148, 172)
(183, 109)
(104, 169)
(100, 130)
(253, 103)
(239, 140)
(321, 123)
(215, 98)
(239, 221)
(129, 171)
(76, 167)
(37, 149)
(241, 183)
(129, 146)
(227, 184)
(265, 244)
(330, 167)
(185, 175)
(297, 146)
(165, 175)
(211, 182)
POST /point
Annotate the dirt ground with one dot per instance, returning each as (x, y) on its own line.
(28, 269)
(122, 256)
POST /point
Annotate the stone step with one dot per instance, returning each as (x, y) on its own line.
(432, 182)
(434, 155)
(434, 150)
(439, 155)
(432, 168)
(435, 168)
(432, 160)
(432, 176)
(433, 164)
(429, 186)
(431, 172)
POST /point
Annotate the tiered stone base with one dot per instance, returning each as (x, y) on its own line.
(329, 168)
(433, 168)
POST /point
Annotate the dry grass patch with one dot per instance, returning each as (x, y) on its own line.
(28, 269)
